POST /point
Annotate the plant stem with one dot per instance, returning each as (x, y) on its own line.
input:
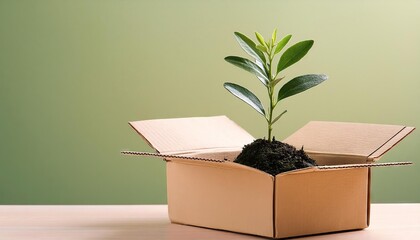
(270, 90)
(270, 113)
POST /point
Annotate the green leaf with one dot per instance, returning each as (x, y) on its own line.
(274, 36)
(282, 43)
(294, 54)
(300, 84)
(262, 66)
(279, 116)
(249, 46)
(262, 48)
(274, 82)
(261, 39)
(249, 66)
(246, 96)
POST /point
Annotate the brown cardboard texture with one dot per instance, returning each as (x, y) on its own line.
(206, 188)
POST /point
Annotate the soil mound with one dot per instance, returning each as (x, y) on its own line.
(273, 157)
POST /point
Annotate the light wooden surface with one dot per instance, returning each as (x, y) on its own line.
(388, 221)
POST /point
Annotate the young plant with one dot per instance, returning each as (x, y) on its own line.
(262, 67)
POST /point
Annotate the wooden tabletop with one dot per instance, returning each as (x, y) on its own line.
(388, 221)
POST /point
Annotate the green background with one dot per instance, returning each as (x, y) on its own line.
(73, 73)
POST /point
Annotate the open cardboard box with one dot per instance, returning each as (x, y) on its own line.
(205, 188)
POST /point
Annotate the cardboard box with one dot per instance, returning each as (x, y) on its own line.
(224, 195)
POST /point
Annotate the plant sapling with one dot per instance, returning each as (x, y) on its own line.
(270, 155)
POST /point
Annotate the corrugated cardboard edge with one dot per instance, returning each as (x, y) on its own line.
(365, 165)
(168, 157)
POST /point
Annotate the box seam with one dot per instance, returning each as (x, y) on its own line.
(368, 197)
(274, 208)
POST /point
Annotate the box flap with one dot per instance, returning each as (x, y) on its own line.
(180, 135)
(353, 139)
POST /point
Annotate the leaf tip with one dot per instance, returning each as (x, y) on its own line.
(228, 58)
(323, 77)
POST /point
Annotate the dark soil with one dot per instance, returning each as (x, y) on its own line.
(273, 157)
